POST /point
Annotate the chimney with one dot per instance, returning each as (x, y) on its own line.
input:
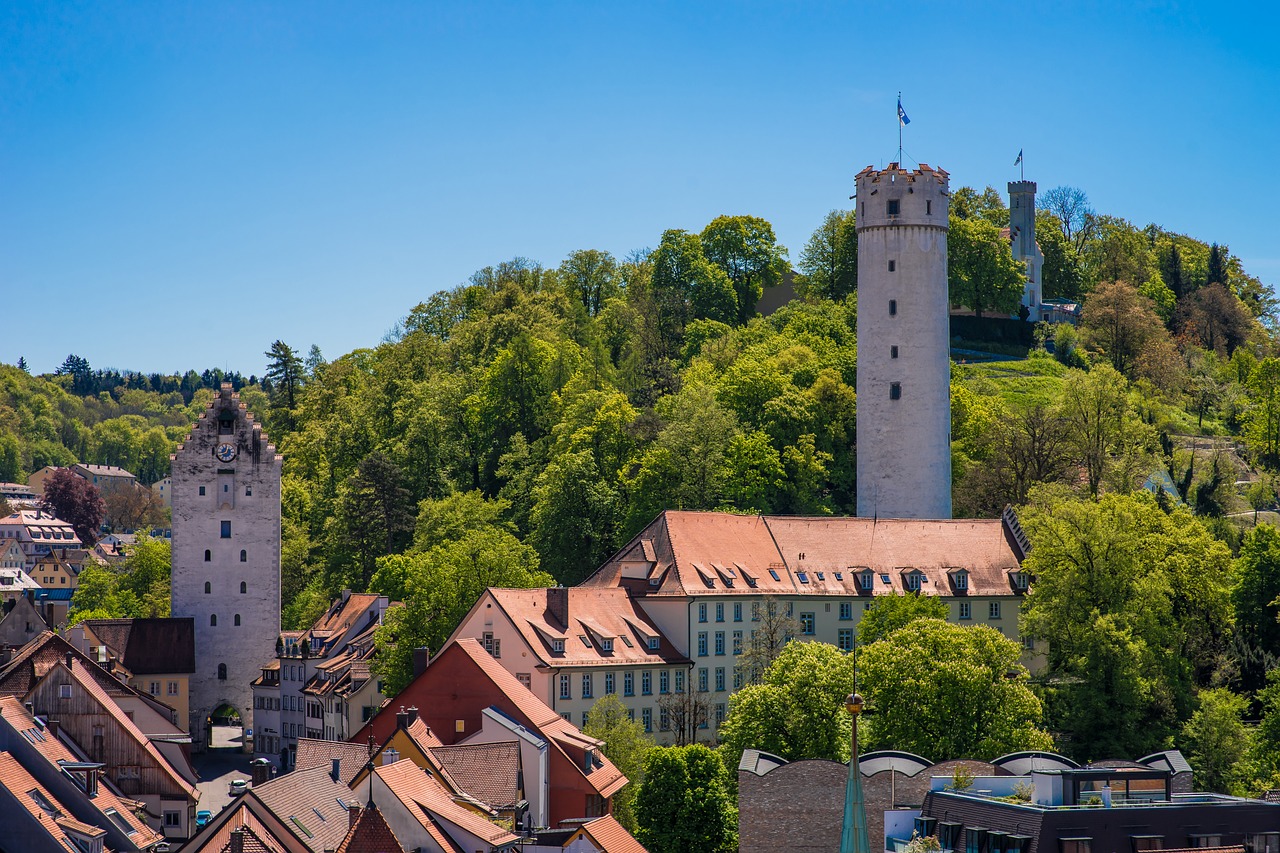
(421, 657)
(237, 841)
(412, 715)
(54, 726)
(390, 756)
(558, 604)
(70, 659)
(402, 718)
(335, 772)
(353, 815)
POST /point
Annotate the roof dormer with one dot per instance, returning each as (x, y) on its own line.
(959, 580)
(912, 579)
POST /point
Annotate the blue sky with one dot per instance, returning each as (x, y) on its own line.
(183, 183)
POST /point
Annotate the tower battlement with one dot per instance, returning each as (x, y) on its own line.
(897, 196)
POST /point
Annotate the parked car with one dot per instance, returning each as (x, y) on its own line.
(238, 787)
(202, 817)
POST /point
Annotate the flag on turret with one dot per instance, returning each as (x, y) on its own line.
(1019, 160)
(902, 114)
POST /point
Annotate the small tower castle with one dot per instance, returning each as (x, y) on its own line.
(1022, 237)
(904, 368)
(226, 555)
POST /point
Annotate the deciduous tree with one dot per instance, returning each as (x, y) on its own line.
(888, 613)
(686, 805)
(627, 746)
(981, 271)
(745, 248)
(829, 260)
(77, 502)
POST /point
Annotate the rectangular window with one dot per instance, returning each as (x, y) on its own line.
(719, 642)
(655, 643)
(646, 683)
(993, 610)
(664, 681)
(702, 679)
(155, 688)
(1147, 842)
(628, 684)
(564, 687)
(226, 530)
(893, 351)
(202, 491)
(584, 719)
(719, 713)
(664, 720)
(1029, 643)
(646, 717)
(587, 685)
(173, 688)
(737, 642)
(679, 680)
(737, 679)
(608, 684)
(1074, 845)
(807, 624)
(962, 580)
(172, 818)
(844, 639)
(702, 612)
(719, 679)
(702, 644)
(737, 611)
(928, 207)
(893, 207)
(755, 611)
(895, 390)
(964, 611)
(846, 611)
(893, 266)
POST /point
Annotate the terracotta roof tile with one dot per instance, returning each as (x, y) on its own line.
(310, 803)
(370, 834)
(610, 836)
(321, 753)
(489, 772)
(427, 798)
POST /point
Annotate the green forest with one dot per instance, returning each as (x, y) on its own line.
(516, 429)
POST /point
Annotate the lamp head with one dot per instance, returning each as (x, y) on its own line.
(854, 703)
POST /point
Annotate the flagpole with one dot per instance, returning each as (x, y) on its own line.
(899, 129)
(1022, 166)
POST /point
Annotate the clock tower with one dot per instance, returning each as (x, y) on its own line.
(226, 555)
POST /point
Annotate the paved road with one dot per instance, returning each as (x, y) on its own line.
(218, 766)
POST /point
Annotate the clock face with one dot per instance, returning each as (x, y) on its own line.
(225, 451)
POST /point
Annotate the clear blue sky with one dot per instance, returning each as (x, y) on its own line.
(183, 183)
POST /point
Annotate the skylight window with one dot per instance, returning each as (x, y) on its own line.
(302, 826)
(803, 576)
(773, 573)
(585, 641)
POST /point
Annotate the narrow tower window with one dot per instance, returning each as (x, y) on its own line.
(893, 265)
(237, 620)
(213, 620)
(207, 555)
(222, 672)
(895, 390)
(893, 307)
(226, 530)
(244, 587)
(208, 588)
(893, 352)
(244, 556)
(928, 207)
(202, 490)
(893, 206)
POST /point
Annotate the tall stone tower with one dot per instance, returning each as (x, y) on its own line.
(226, 555)
(904, 367)
(1022, 237)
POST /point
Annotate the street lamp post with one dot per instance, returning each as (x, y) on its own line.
(853, 833)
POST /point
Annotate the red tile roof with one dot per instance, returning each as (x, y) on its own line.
(489, 772)
(710, 553)
(609, 835)
(596, 614)
(351, 757)
(310, 804)
(370, 834)
(426, 798)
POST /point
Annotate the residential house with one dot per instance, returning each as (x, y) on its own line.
(59, 568)
(38, 533)
(300, 812)
(163, 489)
(14, 580)
(21, 622)
(156, 656)
(50, 793)
(107, 478)
(18, 494)
(319, 685)
(465, 696)
(37, 480)
(571, 646)
(709, 580)
(132, 734)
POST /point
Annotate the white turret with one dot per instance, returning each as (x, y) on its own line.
(904, 368)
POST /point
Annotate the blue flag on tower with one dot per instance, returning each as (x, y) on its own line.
(1019, 160)
(902, 114)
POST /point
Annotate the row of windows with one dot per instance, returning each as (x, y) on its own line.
(155, 688)
(737, 612)
(226, 487)
(244, 555)
(664, 717)
(719, 640)
(993, 610)
(213, 620)
(208, 587)
(668, 680)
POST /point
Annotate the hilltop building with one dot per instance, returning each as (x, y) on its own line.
(226, 555)
(904, 367)
(1022, 238)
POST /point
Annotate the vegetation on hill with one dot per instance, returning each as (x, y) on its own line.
(520, 427)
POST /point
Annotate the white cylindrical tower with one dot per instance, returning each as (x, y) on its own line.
(904, 367)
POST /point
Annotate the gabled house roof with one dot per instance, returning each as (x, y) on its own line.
(260, 830)
(149, 646)
(489, 772)
(351, 757)
(369, 833)
(686, 553)
(311, 803)
(430, 803)
(600, 626)
(608, 836)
